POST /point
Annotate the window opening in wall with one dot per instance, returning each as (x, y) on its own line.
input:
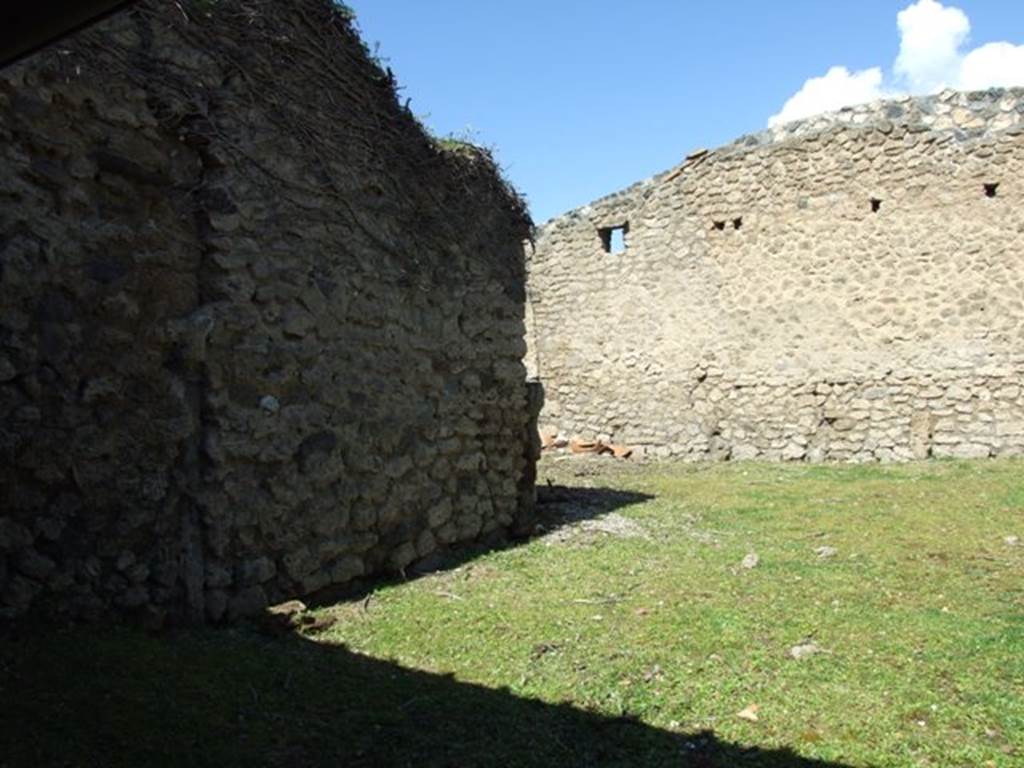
(737, 222)
(991, 189)
(876, 205)
(613, 239)
(719, 225)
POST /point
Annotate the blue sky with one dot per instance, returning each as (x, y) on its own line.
(580, 99)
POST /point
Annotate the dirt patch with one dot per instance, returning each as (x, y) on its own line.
(578, 515)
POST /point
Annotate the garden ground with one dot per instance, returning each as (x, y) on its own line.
(666, 614)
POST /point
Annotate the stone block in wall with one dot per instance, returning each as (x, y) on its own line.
(249, 601)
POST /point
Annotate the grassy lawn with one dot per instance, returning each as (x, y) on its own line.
(629, 633)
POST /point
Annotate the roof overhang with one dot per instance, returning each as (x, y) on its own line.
(25, 27)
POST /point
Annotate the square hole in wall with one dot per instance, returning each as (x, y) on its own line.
(992, 189)
(613, 239)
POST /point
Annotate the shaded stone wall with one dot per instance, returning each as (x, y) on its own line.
(259, 335)
(847, 288)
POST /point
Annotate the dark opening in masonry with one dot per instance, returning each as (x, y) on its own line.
(737, 222)
(991, 189)
(876, 205)
(613, 239)
(719, 225)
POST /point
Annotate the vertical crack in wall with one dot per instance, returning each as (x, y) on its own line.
(196, 461)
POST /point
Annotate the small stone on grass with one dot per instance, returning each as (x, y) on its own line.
(804, 650)
(749, 714)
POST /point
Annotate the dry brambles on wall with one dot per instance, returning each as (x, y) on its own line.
(259, 334)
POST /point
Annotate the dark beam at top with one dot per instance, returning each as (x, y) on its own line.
(25, 27)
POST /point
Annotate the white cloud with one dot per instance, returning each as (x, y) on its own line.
(838, 88)
(996, 65)
(930, 39)
(931, 57)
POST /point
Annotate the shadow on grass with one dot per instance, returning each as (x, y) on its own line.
(559, 507)
(98, 696)
(554, 500)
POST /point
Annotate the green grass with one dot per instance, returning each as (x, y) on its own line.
(592, 648)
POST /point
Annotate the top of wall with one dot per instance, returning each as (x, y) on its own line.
(965, 116)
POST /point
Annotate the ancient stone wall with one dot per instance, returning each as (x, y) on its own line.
(259, 334)
(846, 288)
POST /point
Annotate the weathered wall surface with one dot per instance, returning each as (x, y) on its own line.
(258, 334)
(763, 308)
